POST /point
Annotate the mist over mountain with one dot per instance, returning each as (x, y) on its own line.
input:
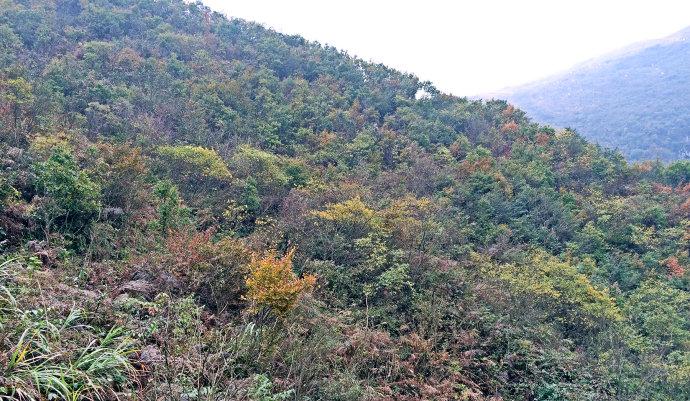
(635, 100)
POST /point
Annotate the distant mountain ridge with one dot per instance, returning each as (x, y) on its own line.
(634, 99)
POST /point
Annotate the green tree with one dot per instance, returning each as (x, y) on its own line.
(67, 197)
(16, 99)
(172, 214)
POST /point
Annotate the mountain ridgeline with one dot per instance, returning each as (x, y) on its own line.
(634, 100)
(195, 207)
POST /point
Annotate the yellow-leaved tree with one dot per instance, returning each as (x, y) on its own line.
(560, 288)
(272, 283)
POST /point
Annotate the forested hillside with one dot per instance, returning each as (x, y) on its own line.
(197, 208)
(635, 100)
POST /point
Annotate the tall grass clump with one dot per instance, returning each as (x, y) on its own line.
(48, 356)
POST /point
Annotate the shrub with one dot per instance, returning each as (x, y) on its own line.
(215, 270)
(123, 171)
(272, 283)
(172, 214)
(67, 195)
(196, 160)
(200, 174)
(569, 295)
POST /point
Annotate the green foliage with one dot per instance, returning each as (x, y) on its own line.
(575, 299)
(678, 173)
(172, 214)
(68, 197)
(200, 174)
(196, 160)
(9, 44)
(16, 99)
(61, 179)
(262, 390)
(249, 197)
(352, 218)
(660, 312)
(7, 193)
(264, 167)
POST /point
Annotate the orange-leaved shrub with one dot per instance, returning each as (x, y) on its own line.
(272, 283)
(214, 269)
(675, 269)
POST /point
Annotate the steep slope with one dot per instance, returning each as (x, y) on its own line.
(199, 208)
(634, 100)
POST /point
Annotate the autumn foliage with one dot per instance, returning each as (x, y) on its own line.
(510, 126)
(675, 269)
(272, 283)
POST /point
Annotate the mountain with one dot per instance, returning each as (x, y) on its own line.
(200, 208)
(633, 100)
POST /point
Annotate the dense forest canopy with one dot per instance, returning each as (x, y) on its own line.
(634, 100)
(200, 208)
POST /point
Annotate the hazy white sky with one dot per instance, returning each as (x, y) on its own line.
(470, 47)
